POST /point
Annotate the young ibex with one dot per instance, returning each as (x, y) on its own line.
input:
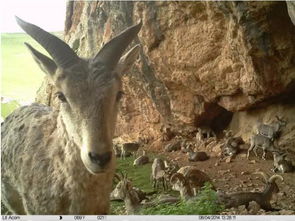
(265, 143)
(158, 173)
(244, 198)
(281, 164)
(62, 162)
(271, 130)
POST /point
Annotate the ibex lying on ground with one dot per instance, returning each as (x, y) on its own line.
(244, 198)
(197, 156)
(133, 197)
(125, 191)
(271, 130)
(141, 160)
(158, 173)
(62, 162)
(173, 146)
(280, 163)
(265, 143)
(231, 144)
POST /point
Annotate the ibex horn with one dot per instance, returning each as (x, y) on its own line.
(61, 53)
(263, 174)
(274, 177)
(112, 51)
(178, 176)
(278, 118)
(116, 176)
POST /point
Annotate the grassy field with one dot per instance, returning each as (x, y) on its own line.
(20, 75)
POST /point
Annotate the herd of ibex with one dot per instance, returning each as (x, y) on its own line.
(189, 179)
(63, 162)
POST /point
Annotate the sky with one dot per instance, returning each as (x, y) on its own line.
(48, 14)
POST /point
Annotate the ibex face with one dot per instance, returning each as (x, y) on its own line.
(89, 90)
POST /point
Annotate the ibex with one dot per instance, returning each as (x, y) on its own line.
(141, 160)
(204, 132)
(265, 143)
(129, 148)
(197, 156)
(271, 130)
(188, 180)
(133, 197)
(62, 162)
(231, 144)
(280, 163)
(244, 198)
(124, 190)
(158, 173)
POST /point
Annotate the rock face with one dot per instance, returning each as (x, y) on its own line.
(201, 63)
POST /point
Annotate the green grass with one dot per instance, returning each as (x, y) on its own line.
(7, 108)
(140, 177)
(21, 77)
(205, 203)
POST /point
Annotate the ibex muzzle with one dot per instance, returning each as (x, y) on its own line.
(89, 90)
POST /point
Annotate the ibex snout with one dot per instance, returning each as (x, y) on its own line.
(100, 159)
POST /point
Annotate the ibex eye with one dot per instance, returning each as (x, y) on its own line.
(119, 95)
(61, 97)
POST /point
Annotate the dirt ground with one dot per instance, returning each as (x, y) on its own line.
(237, 175)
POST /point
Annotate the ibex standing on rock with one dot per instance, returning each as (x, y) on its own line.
(62, 162)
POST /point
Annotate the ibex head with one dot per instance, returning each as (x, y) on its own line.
(281, 121)
(89, 90)
(177, 181)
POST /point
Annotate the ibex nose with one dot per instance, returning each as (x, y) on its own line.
(100, 159)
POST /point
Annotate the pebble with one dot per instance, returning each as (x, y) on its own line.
(253, 207)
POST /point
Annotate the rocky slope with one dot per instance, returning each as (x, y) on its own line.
(220, 64)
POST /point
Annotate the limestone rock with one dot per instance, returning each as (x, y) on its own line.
(200, 62)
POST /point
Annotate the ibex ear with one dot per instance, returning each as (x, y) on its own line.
(45, 63)
(127, 60)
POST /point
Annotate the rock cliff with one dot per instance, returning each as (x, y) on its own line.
(219, 64)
